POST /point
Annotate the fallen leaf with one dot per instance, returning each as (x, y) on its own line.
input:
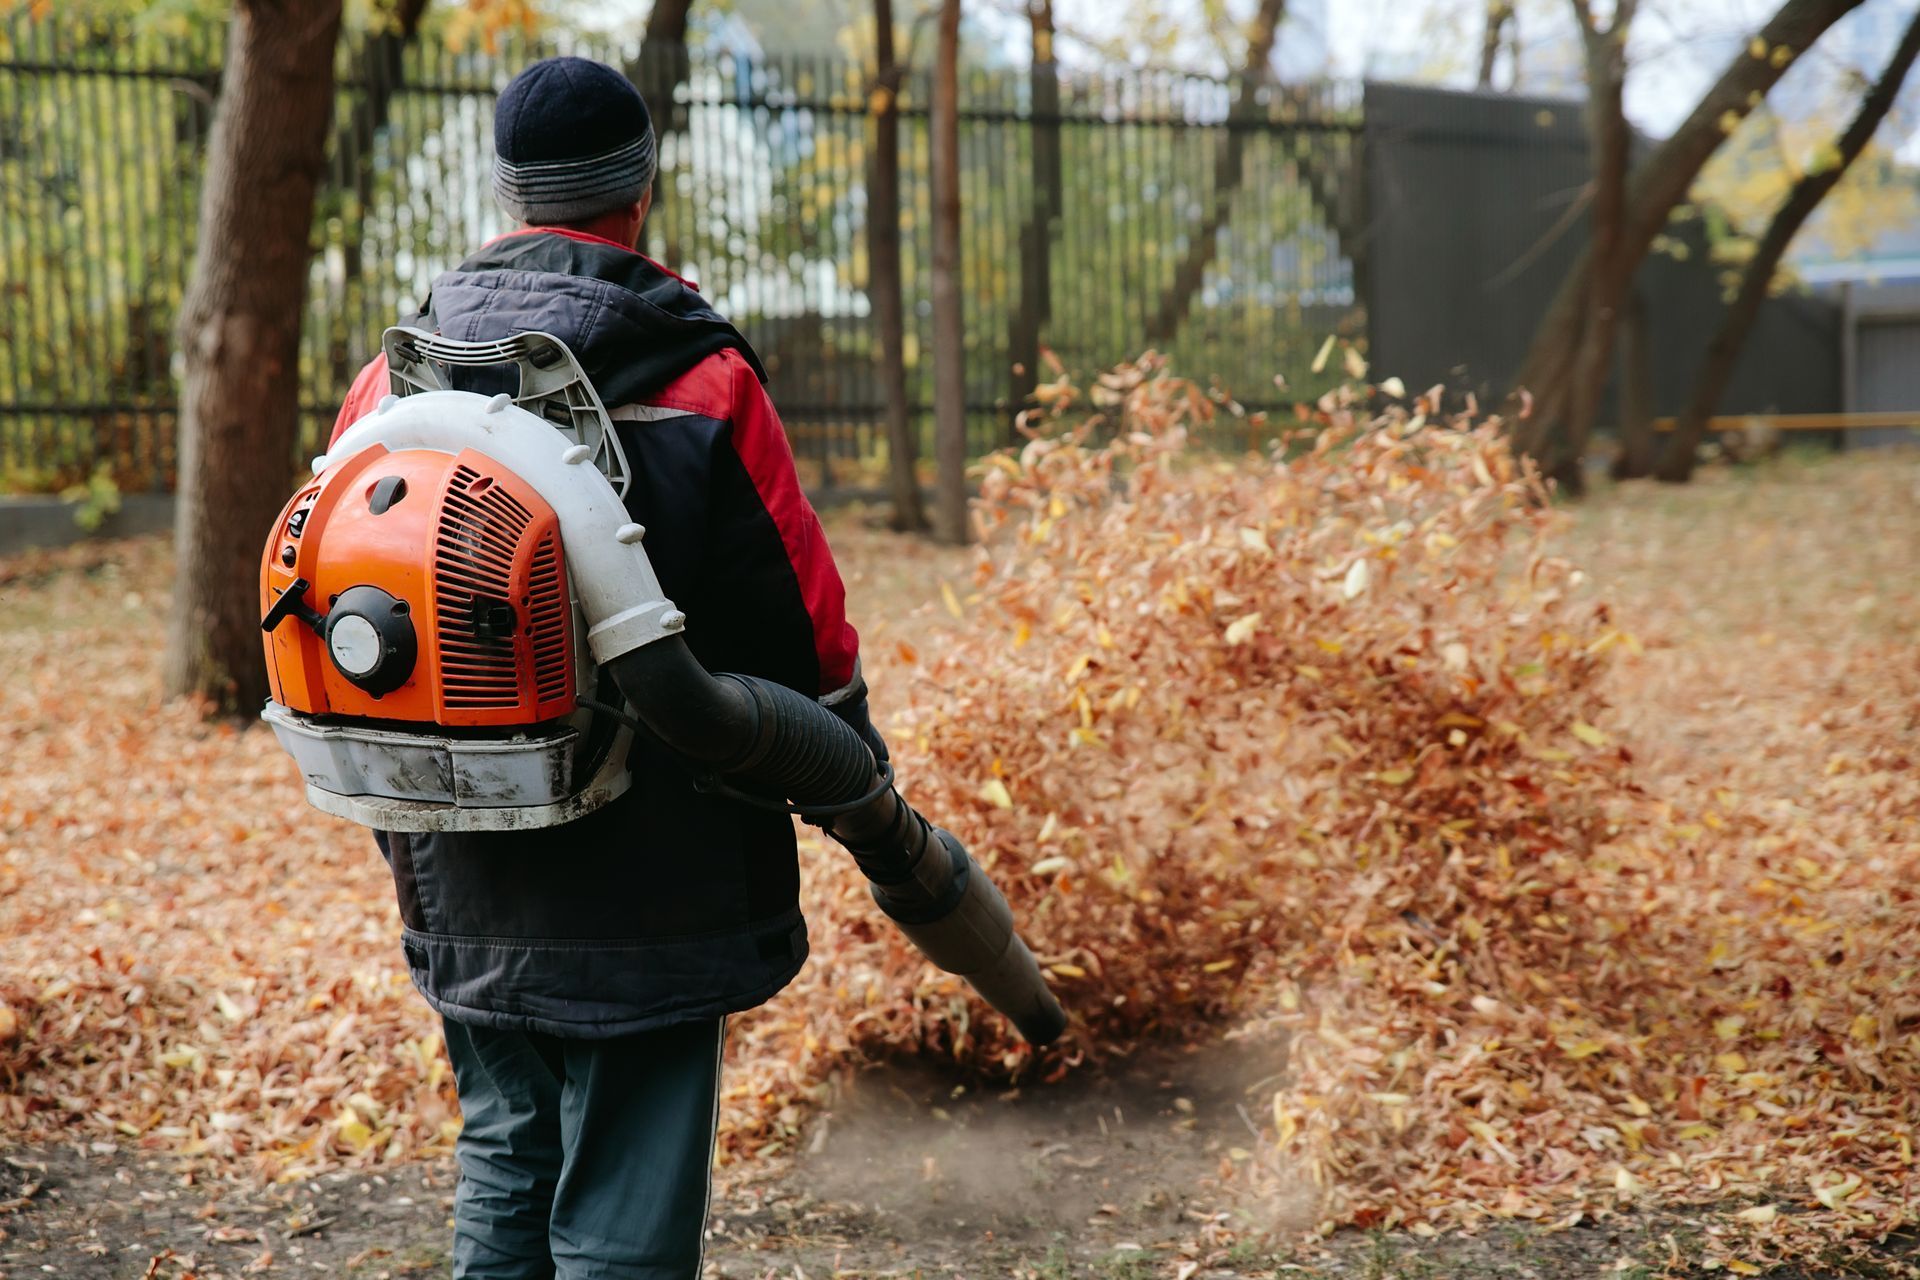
(1241, 629)
(1355, 583)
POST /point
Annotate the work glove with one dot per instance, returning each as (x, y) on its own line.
(850, 703)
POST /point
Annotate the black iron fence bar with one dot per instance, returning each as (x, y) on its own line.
(206, 77)
(762, 194)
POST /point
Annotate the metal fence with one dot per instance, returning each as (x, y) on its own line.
(1123, 212)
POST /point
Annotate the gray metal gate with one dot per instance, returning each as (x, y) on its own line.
(1887, 376)
(1475, 213)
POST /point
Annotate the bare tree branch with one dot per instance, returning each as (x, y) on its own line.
(1723, 352)
(1566, 335)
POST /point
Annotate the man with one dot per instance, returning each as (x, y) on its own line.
(583, 972)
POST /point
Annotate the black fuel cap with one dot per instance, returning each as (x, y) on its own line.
(369, 635)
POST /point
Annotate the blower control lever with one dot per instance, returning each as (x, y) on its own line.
(293, 603)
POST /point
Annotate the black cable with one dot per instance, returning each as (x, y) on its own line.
(710, 784)
(606, 709)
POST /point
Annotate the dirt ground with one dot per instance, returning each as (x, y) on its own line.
(909, 1175)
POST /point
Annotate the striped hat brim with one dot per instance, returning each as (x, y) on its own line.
(548, 191)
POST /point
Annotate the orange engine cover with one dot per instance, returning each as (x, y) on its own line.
(456, 540)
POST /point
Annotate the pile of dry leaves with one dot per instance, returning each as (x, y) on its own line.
(1320, 739)
(1189, 690)
(1317, 739)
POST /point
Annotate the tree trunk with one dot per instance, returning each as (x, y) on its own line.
(949, 340)
(884, 279)
(1716, 367)
(1655, 187)
(1499, 14)
(1035, 306)
(380, 73)
(1229, 164)
(1635, 459)
(663, 65)
(660, 69)
(240, 335)
(1608, 140)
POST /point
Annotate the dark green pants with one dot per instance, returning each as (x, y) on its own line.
(584, 1159)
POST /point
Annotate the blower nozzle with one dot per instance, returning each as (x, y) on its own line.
(777, 741)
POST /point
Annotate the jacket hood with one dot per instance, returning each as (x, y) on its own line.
(633, 325)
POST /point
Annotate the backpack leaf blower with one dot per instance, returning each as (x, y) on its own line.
(463, 632)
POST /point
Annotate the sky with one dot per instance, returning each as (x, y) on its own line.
(1678, 46)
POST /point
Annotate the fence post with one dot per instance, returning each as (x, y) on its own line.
(949, 334)
(1034, 307)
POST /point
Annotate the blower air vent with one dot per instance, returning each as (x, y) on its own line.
(474, 549)
(547, 620)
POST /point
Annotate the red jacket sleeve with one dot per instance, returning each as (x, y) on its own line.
(761, 441)
(368, 387)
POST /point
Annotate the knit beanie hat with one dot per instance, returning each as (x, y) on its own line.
(571, 140)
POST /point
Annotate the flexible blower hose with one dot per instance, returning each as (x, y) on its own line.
(782, 742)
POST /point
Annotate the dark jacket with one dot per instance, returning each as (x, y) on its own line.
(666, 904)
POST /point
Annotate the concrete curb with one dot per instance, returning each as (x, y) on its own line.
(28, 522)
